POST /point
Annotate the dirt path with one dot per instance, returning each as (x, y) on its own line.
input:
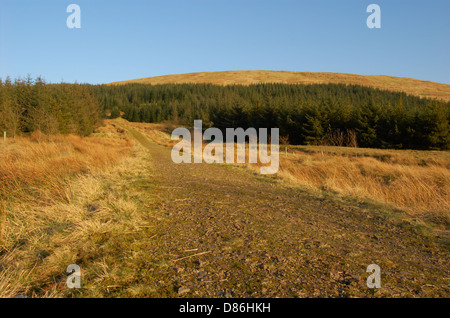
(230, 233)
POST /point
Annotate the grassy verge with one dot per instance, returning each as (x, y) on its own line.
(70, 203)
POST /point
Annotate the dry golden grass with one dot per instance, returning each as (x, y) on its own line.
(42, 181)
(400, 84)
(36, 162)
(418, 182)
(94, 225)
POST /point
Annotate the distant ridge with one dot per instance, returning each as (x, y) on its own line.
(400, 84)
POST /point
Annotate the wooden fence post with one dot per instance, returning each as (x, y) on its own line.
(4, 137)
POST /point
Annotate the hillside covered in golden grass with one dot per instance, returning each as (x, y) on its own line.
(408, 85)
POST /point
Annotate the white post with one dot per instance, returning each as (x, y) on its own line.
(4, 137)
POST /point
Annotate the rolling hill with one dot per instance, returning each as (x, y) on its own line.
(408, 85)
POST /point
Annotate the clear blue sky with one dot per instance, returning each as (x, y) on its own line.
(128, 39)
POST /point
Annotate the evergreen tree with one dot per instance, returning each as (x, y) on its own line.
(115, 112)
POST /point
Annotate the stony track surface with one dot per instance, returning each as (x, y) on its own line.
(226, 232)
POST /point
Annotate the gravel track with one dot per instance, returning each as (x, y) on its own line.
(228, 232)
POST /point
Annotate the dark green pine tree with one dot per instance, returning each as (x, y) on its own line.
(115, 112)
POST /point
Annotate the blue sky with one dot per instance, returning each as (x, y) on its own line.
(127, 39)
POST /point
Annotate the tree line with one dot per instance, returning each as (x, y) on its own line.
(28, 105)
(305, 114)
